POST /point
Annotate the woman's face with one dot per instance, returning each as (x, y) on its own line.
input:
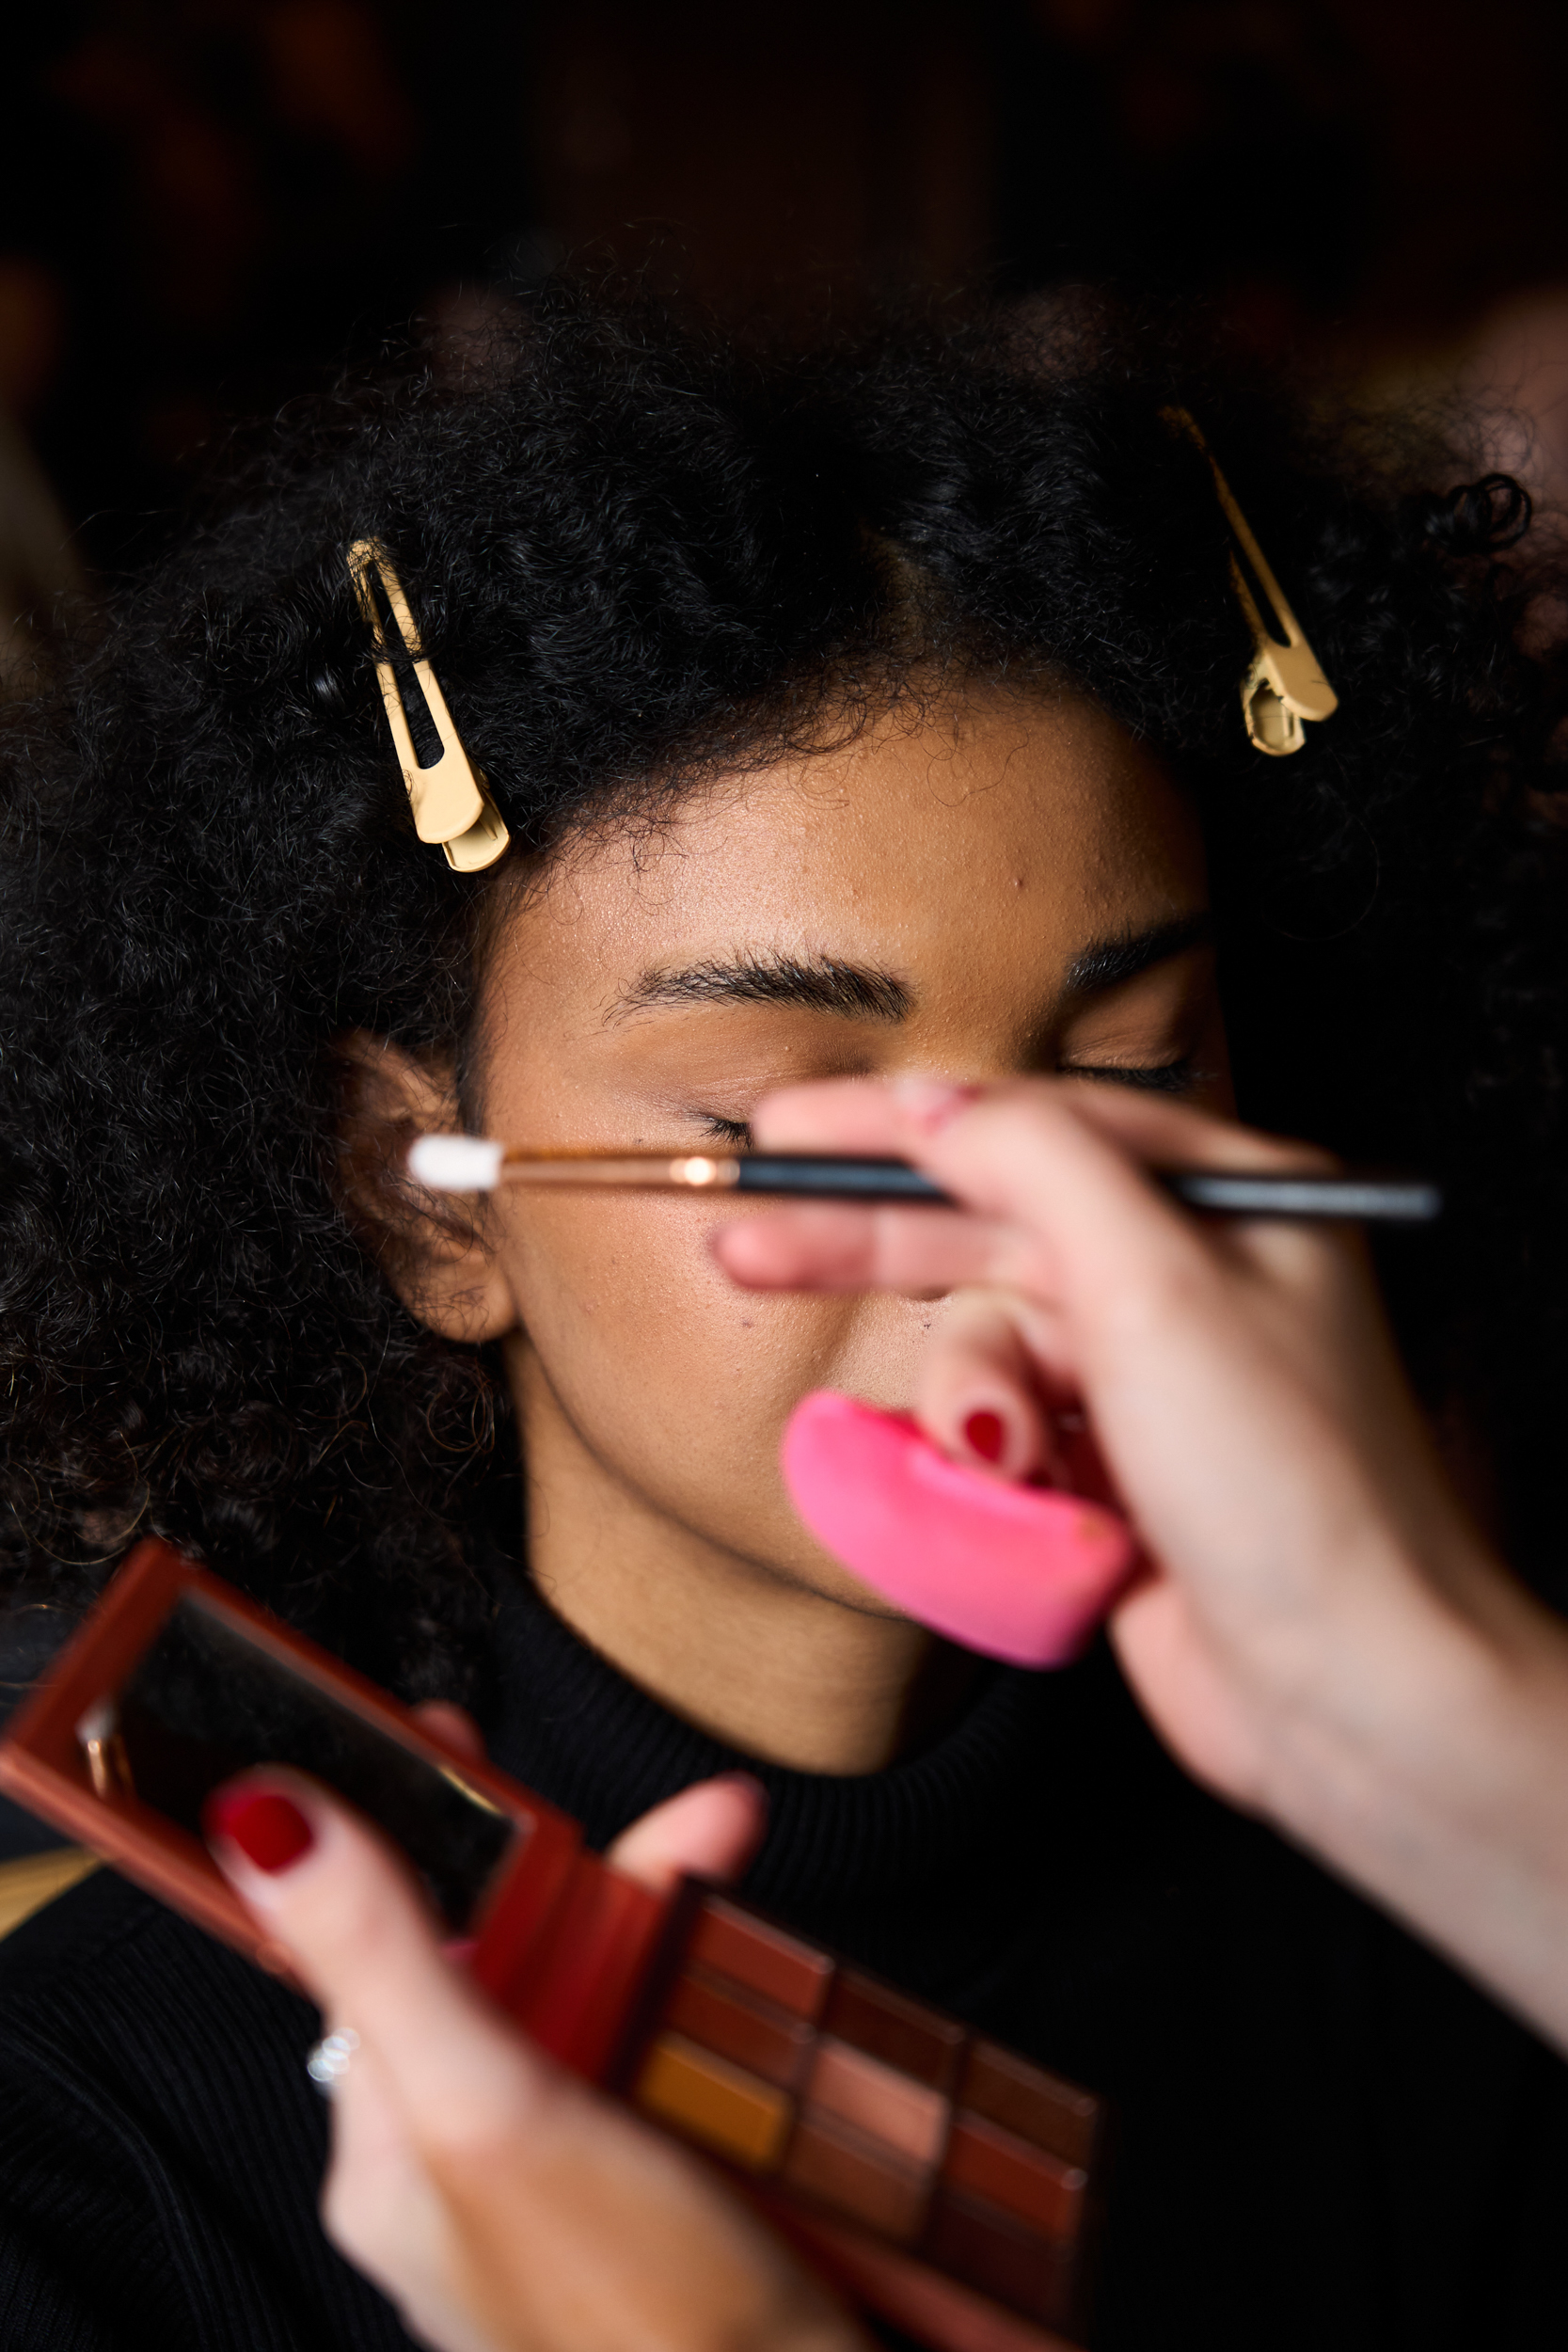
(1011, 886)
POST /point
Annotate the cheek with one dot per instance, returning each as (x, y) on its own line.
(674, 1378)
(622, 1298)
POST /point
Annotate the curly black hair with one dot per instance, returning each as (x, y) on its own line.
(640, 556)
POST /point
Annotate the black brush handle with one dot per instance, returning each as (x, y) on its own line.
(821, 1177)
(1219, 1192)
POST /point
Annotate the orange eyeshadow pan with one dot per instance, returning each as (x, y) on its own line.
(719, 2103)
(905, 2116)
(1032, 2188)
(847, 2170)
(761, 1957)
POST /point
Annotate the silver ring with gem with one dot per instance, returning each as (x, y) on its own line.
(328, 2061)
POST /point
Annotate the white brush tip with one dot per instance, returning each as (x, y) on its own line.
(456, 1163)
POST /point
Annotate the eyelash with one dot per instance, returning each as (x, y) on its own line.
(736, 1132)
(1171, 1078)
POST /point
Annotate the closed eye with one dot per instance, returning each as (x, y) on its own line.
(1171, 1078)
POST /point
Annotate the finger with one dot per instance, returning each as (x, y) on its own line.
(838, 1114)
(1063, 1208)
(335, 1895)
(900, 1115)
(710, 1830)
(978, 1394)
(1153, 1127)
(362, 1938)
(846, 1249)
(926, 1252)
(454, 1727)
(372, 2185)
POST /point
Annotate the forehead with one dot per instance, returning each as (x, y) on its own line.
(1004, 831)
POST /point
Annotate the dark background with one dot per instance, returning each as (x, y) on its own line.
(207, 205)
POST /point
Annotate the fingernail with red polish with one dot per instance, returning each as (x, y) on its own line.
(986, 1435)
(932, 1102)
(267, 1828)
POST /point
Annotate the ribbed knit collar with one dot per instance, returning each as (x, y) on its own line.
(906, 1869)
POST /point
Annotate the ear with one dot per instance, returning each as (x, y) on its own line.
(432, 1247)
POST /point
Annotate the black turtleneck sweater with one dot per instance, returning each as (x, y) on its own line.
(1325, 2138)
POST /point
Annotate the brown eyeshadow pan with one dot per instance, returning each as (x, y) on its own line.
(1038, 2107)
(1037, 2189)
(859, 2176)
(892, 2028)
(761, 1957)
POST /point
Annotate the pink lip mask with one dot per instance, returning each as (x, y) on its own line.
(1023, 1573)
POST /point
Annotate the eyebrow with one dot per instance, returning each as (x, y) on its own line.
(861, 993)
(1110, 961)
(814, 983)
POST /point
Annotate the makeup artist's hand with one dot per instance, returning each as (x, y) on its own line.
(502, 2204)
(1320, 1633)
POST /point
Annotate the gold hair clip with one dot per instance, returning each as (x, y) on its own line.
(448, 800)
(1284, 684)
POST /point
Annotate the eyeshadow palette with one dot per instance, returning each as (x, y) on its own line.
(868, 2107)
(941, 2181)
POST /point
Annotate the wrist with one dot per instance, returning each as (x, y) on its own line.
(1433, 1775)
(1356, 1726)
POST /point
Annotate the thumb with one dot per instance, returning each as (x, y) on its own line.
(711, 1829)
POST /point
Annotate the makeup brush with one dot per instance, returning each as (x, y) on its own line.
(472, 1163)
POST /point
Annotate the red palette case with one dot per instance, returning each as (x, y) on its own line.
(941, 2181)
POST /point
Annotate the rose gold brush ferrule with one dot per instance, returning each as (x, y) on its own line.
(694, 1172)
